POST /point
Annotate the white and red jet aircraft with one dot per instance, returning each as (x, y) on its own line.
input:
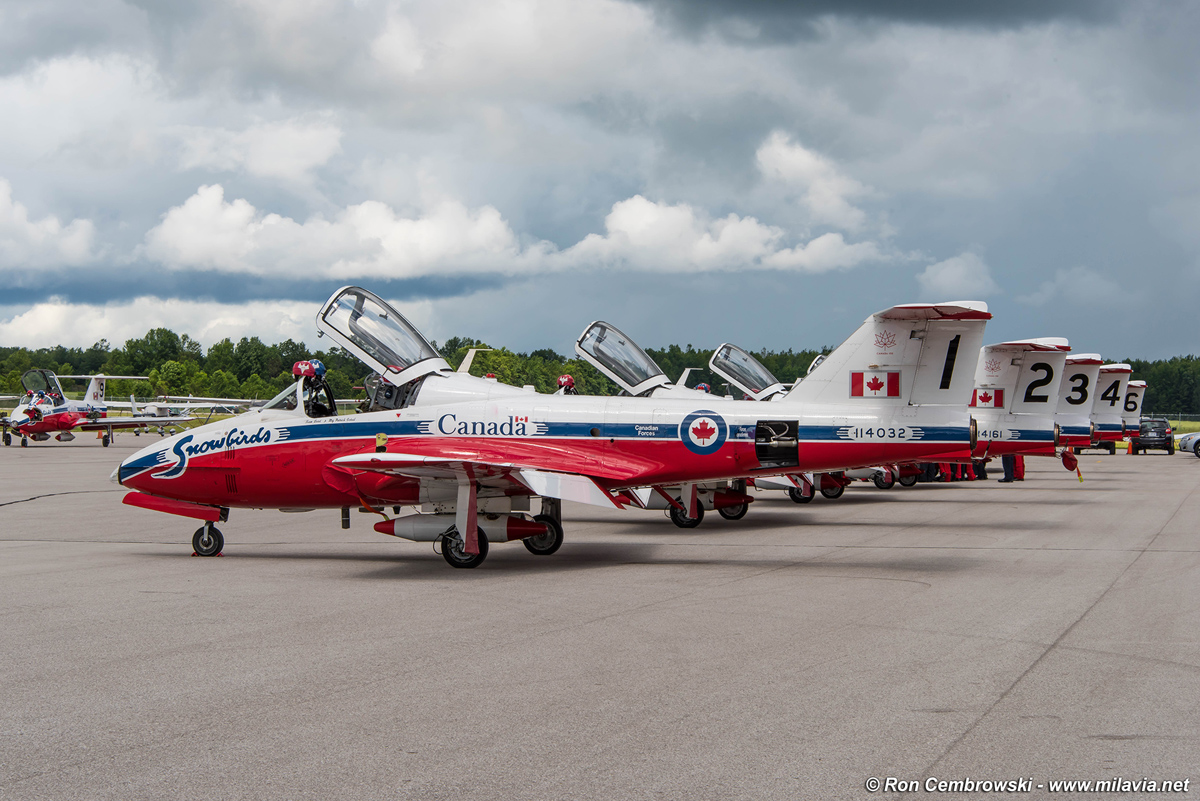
(460, 447)
(1108, 405)
(44, 410)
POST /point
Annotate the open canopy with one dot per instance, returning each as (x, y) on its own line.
(619, 358)
(744, 371)
(368, 327)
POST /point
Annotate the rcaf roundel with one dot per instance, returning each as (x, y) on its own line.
(703, 432)
(988, 398)
(875, 384)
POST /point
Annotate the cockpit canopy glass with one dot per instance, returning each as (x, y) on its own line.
(378, 329)
(742, 369)
(41, 381)
(618, 353)
(284, 400)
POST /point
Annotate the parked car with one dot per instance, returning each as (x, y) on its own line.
(1190, 442)
(1155, 434)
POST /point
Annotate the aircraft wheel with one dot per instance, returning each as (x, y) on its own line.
(107, 439)
(798, 497)
(548, 543)
(24, 442)
(734, 512)
(681, 519)
(907, 481)
(208, 540)
(7, 438)
(455, 556)
(835, 492)
(884, 480)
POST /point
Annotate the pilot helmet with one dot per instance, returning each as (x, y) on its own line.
(704, 388)
(566, 381)
(318, 367)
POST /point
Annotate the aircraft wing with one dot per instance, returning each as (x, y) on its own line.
(105, 423)
(549, 471)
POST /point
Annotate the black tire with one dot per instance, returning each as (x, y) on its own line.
(208, 540)
(681, 519)
(734, 512)
(1112, 449)
(1171, 448)
(1196, 448)
(834, 493)
(884, 480)
(548, 543)
(105, 440)
(455, 556)
(1136, 450)
(24, 442)
(7, 439)
(908, 481)
(798, 497)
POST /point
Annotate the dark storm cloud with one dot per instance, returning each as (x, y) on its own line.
(774, 21)
(102, 286)
(39, 30)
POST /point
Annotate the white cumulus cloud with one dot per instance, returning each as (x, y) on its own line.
(365, 240)
(289, 150)
(964, 276)
(824, 191)
(668, 238)
(40, 243)
(58, 322)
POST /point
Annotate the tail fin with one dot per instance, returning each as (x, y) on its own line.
(1132, 412)
(1022, 377)
(95, 391)
(1110, 390)
(133, 409)
(915, 354)
(1078, 390)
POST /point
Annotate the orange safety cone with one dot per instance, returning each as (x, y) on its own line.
(1129, 447)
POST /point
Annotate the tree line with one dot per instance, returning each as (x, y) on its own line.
(176, 364)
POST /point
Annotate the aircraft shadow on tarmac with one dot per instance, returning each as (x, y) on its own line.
(423, 565)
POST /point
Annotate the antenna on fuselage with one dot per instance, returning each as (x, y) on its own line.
(466, 363)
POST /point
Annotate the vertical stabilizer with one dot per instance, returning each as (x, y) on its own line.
(915, 354)
(1132, 412)
(1078, 390)
(1021, 377)
(95, 391)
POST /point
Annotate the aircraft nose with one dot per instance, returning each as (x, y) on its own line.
(116, 474)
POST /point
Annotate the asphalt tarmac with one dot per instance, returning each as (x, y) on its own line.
(1042, 630)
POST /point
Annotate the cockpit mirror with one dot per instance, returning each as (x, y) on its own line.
(364, 324)
(617, 356)
(744, 371)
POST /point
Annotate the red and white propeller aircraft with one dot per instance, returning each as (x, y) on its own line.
(44, 411)
(463, 448)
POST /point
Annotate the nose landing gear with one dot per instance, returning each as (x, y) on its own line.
(208, 540)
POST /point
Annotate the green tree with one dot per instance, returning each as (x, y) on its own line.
(220, 357)
(255, 388)
(224, 385)
(250, 358)
(158, 346)
(172, 376)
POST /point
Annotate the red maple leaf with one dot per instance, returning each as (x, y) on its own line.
(874, 384)
(985, 397)
(703, 431)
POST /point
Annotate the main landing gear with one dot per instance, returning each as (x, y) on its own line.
(208, 541)
(548, 543)
(680, 517)
(454, 550)
(106, 440)
(7, 439)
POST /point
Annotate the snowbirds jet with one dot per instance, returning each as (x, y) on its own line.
(471, 453)
(44, 410)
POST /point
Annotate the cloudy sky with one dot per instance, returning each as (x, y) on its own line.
(693, 171)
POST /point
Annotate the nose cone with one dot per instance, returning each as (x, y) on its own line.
(135, 471)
